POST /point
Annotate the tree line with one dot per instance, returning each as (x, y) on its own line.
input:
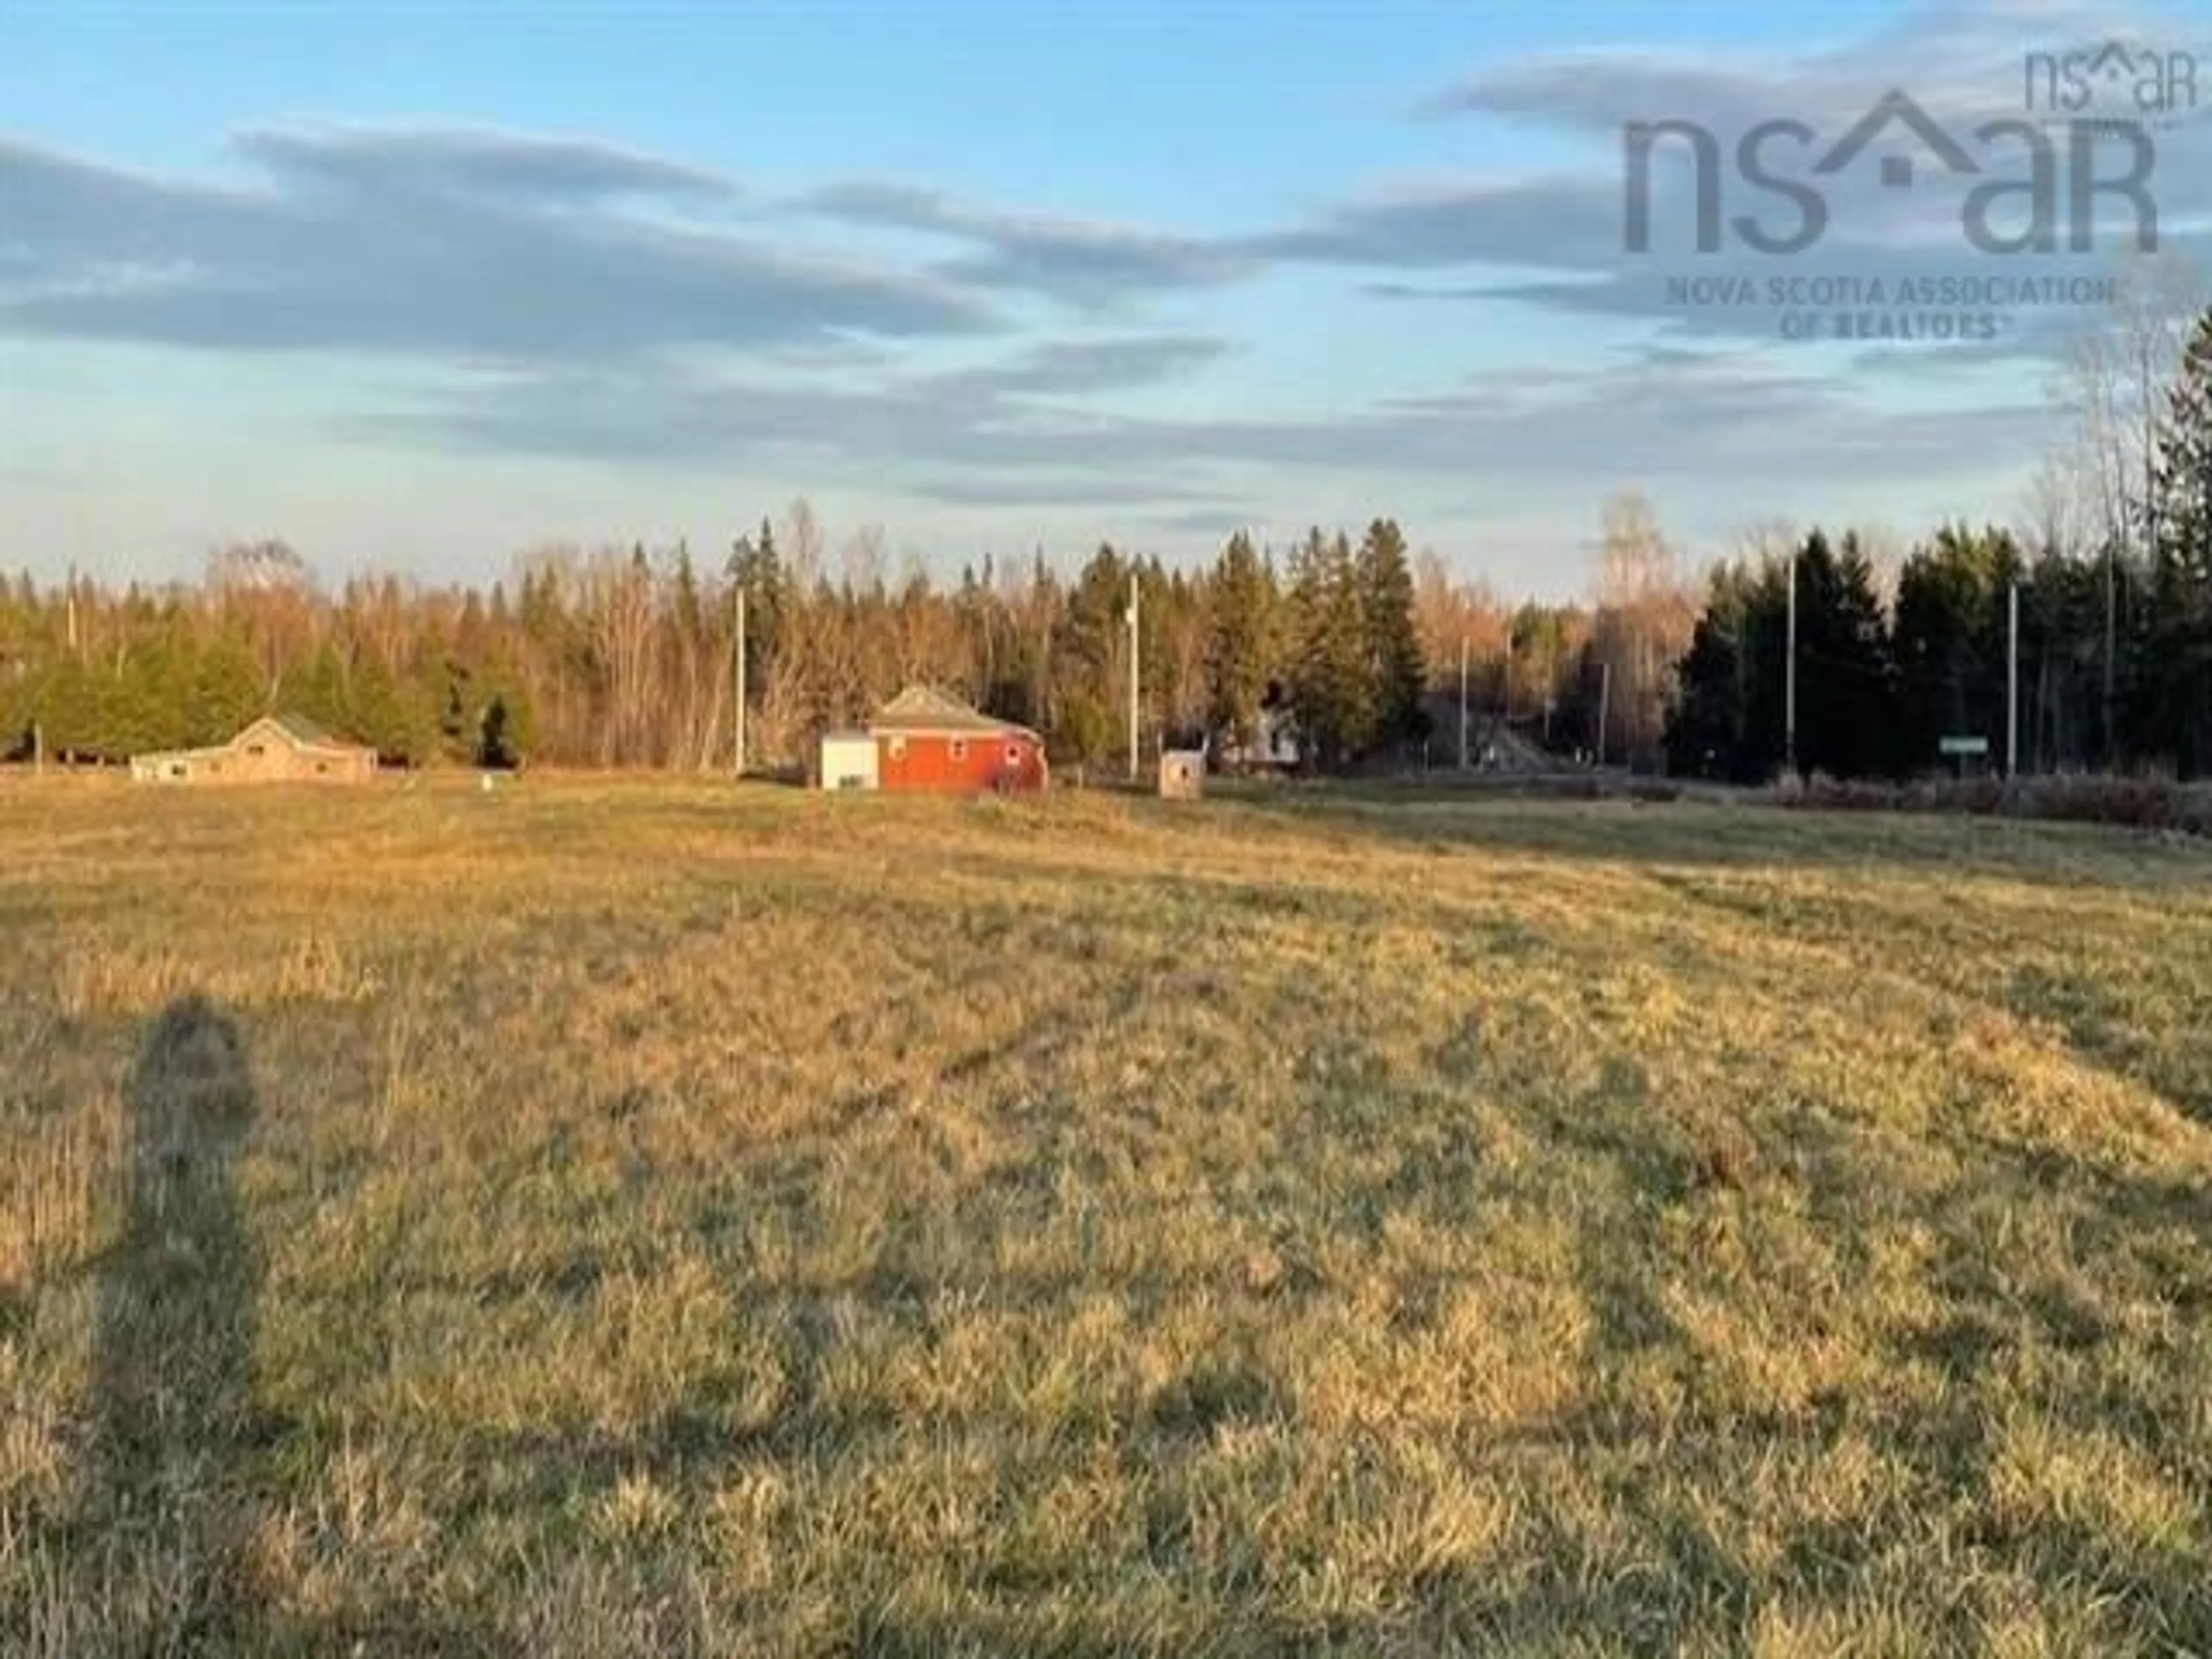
(2113, 589)
(626, 656)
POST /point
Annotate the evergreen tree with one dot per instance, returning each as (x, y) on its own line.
(1396, 676)
(226, 695)
(393, 716)
(1091, 656)
(494, 752)
(459, 737)
(1240, 648)
(1331, 684)
(505, 682)
(756, 567)
(1084, 734)
(320, 692)
(1950, 641)
(142, 703)
(68, 711)
(1711, 726)
(1847, 700)
(1729, 718)
(685, 610)
(2172, 703)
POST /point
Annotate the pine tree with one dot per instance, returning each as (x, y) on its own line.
(1331, 684)
(506, 684)
(395, 716)
(1707, 724)
(1089, 657)
(494, 751)
(1728, 720)
(1397, 677)
(1239, 654)
(1846, 704)
(319, 693)
(459, 735)
(1303, 601)
(226, 694)
(1949, 641)
(756, 567)
(143, 703)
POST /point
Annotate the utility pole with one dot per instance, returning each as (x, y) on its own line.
(2112, 646)
(1133, 638)
(2011, 685)
(1462, 702)
(1604, 704)
(737, 670)
(1789, 681)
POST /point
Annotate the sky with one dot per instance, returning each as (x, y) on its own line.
(419, 287)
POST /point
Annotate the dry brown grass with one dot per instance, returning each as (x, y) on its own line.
(670, 1219)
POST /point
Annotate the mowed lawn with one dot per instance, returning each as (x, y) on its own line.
(647, 1219)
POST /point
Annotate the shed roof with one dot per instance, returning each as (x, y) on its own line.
(296, 729)
(302, 733)
(924, 709)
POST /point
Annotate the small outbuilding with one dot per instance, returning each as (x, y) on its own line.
(926, 740)
(275, 749)
(849, 760)
(1182, 774)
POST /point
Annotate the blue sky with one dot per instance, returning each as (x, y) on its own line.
(422, 286)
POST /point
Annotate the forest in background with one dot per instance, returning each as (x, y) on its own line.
(625, 656)
(2111, 576)
(618, 657)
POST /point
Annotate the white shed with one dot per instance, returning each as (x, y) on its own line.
(849, 760)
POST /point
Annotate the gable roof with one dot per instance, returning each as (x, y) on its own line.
(924, 709)
(298, 730)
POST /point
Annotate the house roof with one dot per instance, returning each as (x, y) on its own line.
(925, 709)
(296, 729)
(301, 732)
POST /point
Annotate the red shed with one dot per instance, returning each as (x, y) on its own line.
(926, 739)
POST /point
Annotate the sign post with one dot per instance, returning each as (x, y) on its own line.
(1962, 748)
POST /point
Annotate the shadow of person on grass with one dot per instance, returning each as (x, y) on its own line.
(172, 1490)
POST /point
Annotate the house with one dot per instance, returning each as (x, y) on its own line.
(924, 739)
(1274, 747)
(275, 749)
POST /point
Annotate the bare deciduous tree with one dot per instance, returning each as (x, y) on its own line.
(2113, 388)
(1645, 615)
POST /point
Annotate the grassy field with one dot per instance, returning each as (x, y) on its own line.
(597, 1218)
